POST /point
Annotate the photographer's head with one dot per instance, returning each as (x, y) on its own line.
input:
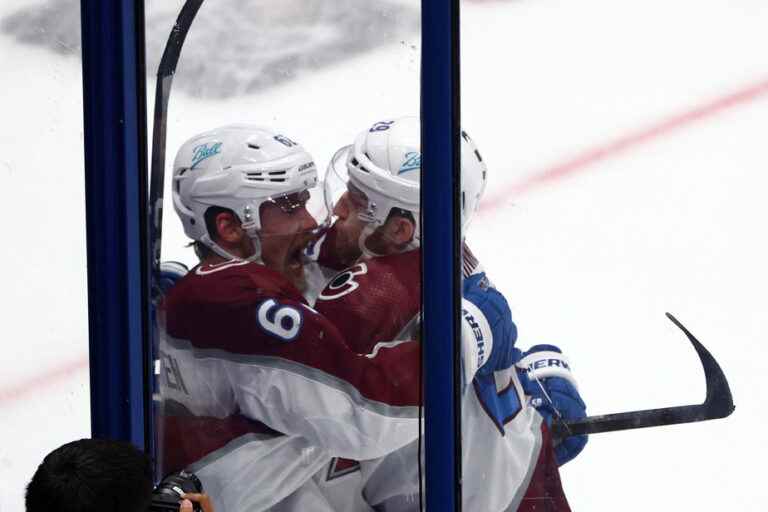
(91, 475)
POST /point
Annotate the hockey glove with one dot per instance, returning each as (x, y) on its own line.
(546, 377)
(487, 330)
(171, 273)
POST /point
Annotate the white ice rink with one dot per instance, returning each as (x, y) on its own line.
(656, 112)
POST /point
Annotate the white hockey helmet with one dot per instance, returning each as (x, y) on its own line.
(474, 177)
(385, 164)
(238, 167)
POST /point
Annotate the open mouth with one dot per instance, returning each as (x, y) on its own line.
(295, 259)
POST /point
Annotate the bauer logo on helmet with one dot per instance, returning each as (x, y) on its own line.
(203, 151)
(412, 162)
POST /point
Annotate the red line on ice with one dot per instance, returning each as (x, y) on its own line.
(558, 171)
(26, 387)
(622, 144)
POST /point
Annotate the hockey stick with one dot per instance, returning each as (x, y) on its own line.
(165, 72)
(717, 404)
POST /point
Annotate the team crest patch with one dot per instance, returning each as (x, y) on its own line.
(343, 283)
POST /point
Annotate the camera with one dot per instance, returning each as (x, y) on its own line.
(167, 495)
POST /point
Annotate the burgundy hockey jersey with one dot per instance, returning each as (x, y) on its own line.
(259, 390)
(374, 300)
(508, 459)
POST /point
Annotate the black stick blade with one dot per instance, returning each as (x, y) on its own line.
(719, 401)
(717, 404)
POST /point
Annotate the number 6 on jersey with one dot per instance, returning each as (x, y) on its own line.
(280, 321)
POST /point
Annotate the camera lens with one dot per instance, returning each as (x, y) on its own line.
(167, 495)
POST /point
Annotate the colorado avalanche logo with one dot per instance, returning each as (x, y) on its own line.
(344, 283)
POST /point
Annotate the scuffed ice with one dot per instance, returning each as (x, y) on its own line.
(238, 46)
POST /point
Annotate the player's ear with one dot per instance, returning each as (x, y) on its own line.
(404, 230)
(228, 228)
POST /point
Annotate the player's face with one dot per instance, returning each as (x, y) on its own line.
(389, 238)
(231, 236)
(348, 224)
(286, 230)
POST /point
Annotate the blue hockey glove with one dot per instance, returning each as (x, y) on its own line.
(171, 272)
(488, 332)
(546, 377)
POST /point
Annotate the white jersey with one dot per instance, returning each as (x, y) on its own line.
(496, 468)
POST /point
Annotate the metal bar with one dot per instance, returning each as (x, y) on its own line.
(440, 190)
(114, 107)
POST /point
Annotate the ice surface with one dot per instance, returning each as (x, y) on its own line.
(240, 46)
(590, 261)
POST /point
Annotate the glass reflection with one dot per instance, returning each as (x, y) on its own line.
(272, 402)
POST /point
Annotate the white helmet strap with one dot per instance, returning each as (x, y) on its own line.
(219, 250)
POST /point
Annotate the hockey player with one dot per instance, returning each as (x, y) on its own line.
(259, 391)
(377, 299)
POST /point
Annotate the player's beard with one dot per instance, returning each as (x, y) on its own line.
(346, 249)
(297, 276)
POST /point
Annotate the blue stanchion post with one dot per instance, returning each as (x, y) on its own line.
(114, 108)
(441, 246)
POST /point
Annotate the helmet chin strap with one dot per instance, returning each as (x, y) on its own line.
(219, 250)
(413, 244)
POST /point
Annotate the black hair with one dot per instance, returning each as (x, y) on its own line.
(91, 475)
(399, 212)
